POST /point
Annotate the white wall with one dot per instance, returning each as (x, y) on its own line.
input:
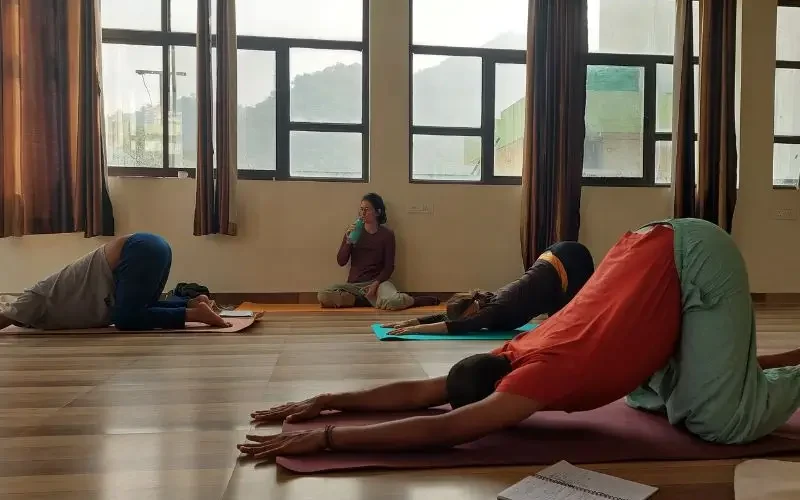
(471, 240)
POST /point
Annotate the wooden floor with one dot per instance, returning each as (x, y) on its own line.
(157, 416)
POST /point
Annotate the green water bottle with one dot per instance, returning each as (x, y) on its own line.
(355, 234)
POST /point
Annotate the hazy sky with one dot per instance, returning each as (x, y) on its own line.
(436, 22)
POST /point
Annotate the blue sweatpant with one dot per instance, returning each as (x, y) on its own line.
(139, 280)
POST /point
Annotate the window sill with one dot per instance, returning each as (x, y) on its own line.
(246, 175)
(517, 181)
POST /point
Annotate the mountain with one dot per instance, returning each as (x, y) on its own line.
(447, 94)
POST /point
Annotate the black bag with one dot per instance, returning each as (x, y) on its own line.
(190, 290)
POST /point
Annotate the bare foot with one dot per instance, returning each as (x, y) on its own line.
(202, 313)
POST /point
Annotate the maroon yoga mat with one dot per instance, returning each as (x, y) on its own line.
(613, 433)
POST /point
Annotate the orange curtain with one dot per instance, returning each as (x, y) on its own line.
(51, 148)
(554, 124)
(215, 200)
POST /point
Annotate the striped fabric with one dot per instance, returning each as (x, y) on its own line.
(52, 158)
(716, 186)
(216, 180)
(683, 159)
(554, 124)
(712, 196)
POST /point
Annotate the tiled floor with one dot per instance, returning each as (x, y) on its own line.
(146, 416)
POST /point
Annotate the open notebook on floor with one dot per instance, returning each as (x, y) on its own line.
(564, 481)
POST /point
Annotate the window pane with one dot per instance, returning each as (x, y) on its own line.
(446, 158)
(326, 85)
(509, 119)
(649, 26)
(787, 102)
(182, 80)
(318, 19)
(470, 23)
(325, 154)
(614, 122)
(447, 91)
(664, 162)
(788, 40)
(183, 15)
(664, 94)
(126, 14)
(132, 102)
(256, 120)
(785, 164)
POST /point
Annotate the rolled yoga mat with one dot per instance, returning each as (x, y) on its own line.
(614, 433)
(383, 334)
(238, 324)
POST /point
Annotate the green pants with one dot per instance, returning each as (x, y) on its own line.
(713, 385)
(346, 294)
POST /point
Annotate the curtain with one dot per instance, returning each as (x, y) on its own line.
(683, 105)
(554, 124)
(215, 199)
(717, 180)
(52, 158)
(712, 195)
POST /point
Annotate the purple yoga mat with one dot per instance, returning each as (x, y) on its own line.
(614, 433)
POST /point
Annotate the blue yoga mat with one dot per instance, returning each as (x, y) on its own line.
(383, 334)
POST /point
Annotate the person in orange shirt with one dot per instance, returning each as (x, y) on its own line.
(619, 336)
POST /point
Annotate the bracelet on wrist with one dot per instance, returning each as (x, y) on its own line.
(329, 437)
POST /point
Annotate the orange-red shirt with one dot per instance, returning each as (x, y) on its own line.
(618, 330)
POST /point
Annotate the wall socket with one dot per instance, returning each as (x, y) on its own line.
(421, 208)
(785, 214)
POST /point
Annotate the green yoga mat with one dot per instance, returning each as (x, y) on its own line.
(383, 334)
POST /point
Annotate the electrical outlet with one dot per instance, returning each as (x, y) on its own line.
(421, 208)
(785, 214)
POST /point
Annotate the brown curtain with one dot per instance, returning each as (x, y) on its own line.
(554, 124)
(683, 105)
(716, 184)
(712, 195)
(216, 187)
(52, 157)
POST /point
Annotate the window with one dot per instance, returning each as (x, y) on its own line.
(786, 150)
(301, 88)
(468, 91)
(629, 92)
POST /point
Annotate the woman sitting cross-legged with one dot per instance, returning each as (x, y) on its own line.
(369, 247)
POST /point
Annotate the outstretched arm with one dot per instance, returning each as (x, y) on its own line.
(466, 424)
(397, 396)
(486, 318)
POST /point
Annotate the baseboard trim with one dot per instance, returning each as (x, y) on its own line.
(295, 297)
(776, 298)
(311, 297)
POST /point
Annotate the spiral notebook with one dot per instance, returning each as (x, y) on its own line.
(564, 481)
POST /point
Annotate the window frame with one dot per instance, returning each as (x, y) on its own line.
(284, 125)
(489, 59)
(783, 64)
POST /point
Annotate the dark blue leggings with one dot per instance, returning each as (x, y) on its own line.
(139, 281)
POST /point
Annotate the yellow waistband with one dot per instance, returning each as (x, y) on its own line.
(556, 263)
